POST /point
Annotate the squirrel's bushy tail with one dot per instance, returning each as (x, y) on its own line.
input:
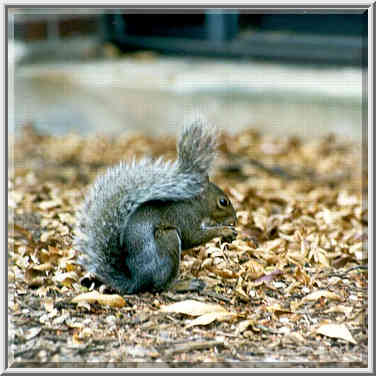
(196, 147)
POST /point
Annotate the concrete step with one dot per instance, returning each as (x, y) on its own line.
(154, 94)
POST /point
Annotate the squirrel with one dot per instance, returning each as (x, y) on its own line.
(137, 217)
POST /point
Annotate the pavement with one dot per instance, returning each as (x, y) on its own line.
(152, 93)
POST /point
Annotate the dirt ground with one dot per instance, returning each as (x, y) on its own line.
(290, 291)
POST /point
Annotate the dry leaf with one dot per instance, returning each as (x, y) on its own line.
(344, 199)
(14, 198)
(340, 309)
(295, 337)
(46, 235)
(32, 332)
(260, 220)
(336, 331)
(42, 267)
(243, 325)
(254, 269)
(66, 279)
(302, 276)
(274, 244)
(103, 299)
(45, 205)
(67, 218)
(277, 310)
(71, 323)
(359, 250)
(268, 277)
(49, 304)
(224, 273)
(321, 293)
(193, 308)
(322, 257)
(208, 318)
(77, 339)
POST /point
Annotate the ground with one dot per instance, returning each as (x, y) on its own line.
(290, 291)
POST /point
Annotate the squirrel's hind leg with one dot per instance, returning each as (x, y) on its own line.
(155, 265)
(116, 279)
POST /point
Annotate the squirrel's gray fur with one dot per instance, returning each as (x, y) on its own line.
(116, 194)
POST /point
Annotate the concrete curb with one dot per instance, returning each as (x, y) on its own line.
(202, 75)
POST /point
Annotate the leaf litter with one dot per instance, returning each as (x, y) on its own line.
(290, 291)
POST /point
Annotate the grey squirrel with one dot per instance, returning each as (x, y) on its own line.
(138, 216)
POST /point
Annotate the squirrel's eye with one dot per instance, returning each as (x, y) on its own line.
(223, 202)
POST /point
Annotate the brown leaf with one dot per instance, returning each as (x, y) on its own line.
(269, 277)
(49, 304)
(260, 220)
(336, 331)
(67, 218)
(103, 299)
(242, 295)
(302, 276)
(32, 332)
(295, 337)
(224, 273)
(45, 205)
(208, 318)
(321, 293)
(193, 308)
(66, 279)
(340, 309)
(278, 310)
(253, 269)
(45, 235)
(244, 325)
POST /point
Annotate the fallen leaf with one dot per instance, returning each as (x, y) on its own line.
(254, 269)
(36, 281)
(76, 339)
(66, 279)
(273, 244)
(321, 293)
(260, 220)
(71, 323)
(14, 198)
(242, 295)
(224, 273)
(336, 331)
(45, 205)
(269, 277)
(208, 318)
(345, 199)
(340, 309)
(322, 258)
(193, 308)
(295, 337)
(46, 235)
(244, 325)
(96, 297)
(67, 218)
(277, 310)
(42, 267)
(32, 332)
(49, 304)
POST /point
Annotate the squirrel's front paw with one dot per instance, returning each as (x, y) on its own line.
(229, 234)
